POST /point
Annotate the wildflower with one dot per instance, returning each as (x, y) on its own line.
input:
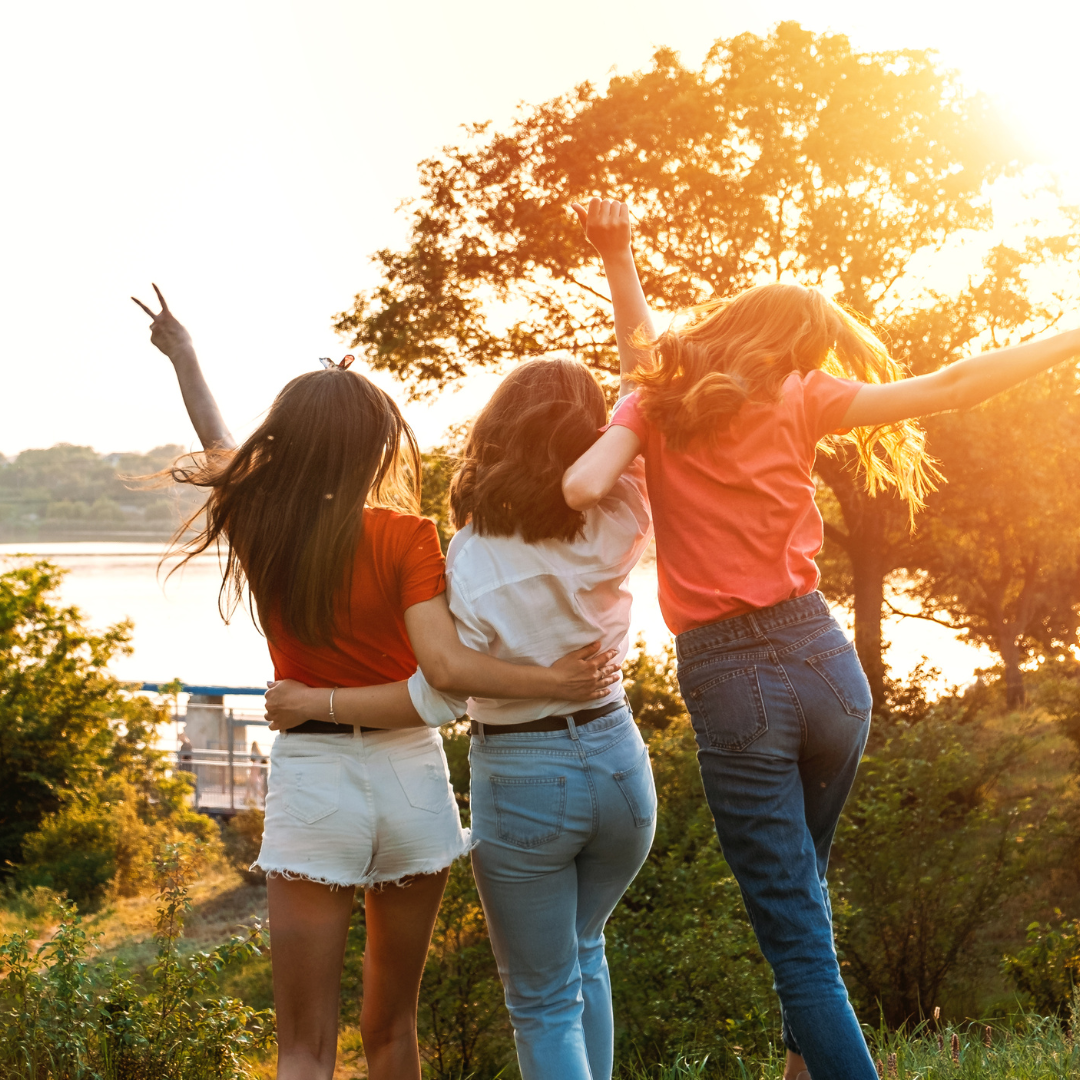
(937, 1012)
(880, 1069)
(988, 1040)
(892, 1065)
(956, 1048)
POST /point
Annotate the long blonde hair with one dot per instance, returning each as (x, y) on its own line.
(742, 349)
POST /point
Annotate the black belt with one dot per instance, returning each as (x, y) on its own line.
(548, 723)
(325, 727)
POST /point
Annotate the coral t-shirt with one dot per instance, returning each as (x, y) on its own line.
(398, 563)
(736, 525)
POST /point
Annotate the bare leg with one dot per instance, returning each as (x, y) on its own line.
(309, 923)
(795, 1068)
(400, 919)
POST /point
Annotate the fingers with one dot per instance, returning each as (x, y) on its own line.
(586, 652)
(581, 213)
(161, 299)
(144, 307)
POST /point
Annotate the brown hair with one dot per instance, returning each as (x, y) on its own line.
(543, 417)
(742, 349)
(289, 501)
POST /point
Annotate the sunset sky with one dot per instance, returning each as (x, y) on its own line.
(250, 156)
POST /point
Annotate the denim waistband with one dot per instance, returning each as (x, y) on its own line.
(754, 625)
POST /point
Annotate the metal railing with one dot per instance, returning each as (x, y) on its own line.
(225, 782)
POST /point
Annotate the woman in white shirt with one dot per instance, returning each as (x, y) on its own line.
(562, 798)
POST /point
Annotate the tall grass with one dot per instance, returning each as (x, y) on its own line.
(1034, 1048)
(65, 1017)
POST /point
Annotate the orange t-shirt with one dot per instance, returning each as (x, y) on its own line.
(736, 525)
(398, 563)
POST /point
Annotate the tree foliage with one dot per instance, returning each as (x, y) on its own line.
(83, 794)
(788, 156)
(998, 552)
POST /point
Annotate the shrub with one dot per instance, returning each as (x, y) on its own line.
(1048, 969)
(67, 728)
(65, 1018)
(242, 838)
(105, 842)
(926, 851)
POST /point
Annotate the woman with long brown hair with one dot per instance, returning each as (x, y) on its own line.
(318, 514)
(731, 409)
(562, 799)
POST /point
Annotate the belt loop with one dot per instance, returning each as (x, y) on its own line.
(572, 727)
(480, 732)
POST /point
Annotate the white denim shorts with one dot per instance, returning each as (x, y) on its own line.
(362, 809)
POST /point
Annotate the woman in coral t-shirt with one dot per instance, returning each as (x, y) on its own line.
(729, 412)
(318, 511)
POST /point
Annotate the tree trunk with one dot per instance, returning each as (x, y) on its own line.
(1014, 677)
(872, 556)
(869, 596)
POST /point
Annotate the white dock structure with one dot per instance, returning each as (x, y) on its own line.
(230, 775)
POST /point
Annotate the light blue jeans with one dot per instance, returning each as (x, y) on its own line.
(562, 820)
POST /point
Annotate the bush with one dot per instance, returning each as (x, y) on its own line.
(105, 843)
(242, 838)
(67, 1019)
(1048, 969)
(927, 850)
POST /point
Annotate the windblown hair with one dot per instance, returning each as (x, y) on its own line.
(742, 349)
(543, 417)
(289, 502)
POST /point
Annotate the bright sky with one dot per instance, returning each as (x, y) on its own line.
(249, 156)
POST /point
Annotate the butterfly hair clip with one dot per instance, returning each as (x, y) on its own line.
(346, 361)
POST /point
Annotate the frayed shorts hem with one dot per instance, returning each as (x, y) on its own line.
(370, 881)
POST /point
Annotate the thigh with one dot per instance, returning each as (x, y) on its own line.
(531, 815)
(399, 919)
(309, 923)
(834, 696)
(626, 803)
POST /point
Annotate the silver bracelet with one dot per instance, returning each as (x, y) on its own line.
(332, 720)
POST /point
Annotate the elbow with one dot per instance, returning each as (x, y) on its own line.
(439, 675)
(578, 494)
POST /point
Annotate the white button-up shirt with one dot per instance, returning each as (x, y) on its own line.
(533, 603)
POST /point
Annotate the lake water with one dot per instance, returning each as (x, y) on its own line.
(178, 632)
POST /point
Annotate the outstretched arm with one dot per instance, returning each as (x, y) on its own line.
(172, 338)
(959, 385)
(607, 228)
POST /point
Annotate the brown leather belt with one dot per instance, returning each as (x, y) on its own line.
(549, 723)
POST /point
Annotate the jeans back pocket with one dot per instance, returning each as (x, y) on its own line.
(529, 810)
(726, 709)
(841, 669)
(423, 777)
(311, 786)
(638, 786)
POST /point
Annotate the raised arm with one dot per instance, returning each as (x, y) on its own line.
(607, 228)
(959, 385)
(172, 338)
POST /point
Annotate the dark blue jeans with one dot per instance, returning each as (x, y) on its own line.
(781, 711)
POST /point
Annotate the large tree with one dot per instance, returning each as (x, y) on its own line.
(998, 551)
(790, 156)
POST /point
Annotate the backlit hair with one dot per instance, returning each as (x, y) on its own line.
(742, 349)
(544, 415)
(289, 502)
